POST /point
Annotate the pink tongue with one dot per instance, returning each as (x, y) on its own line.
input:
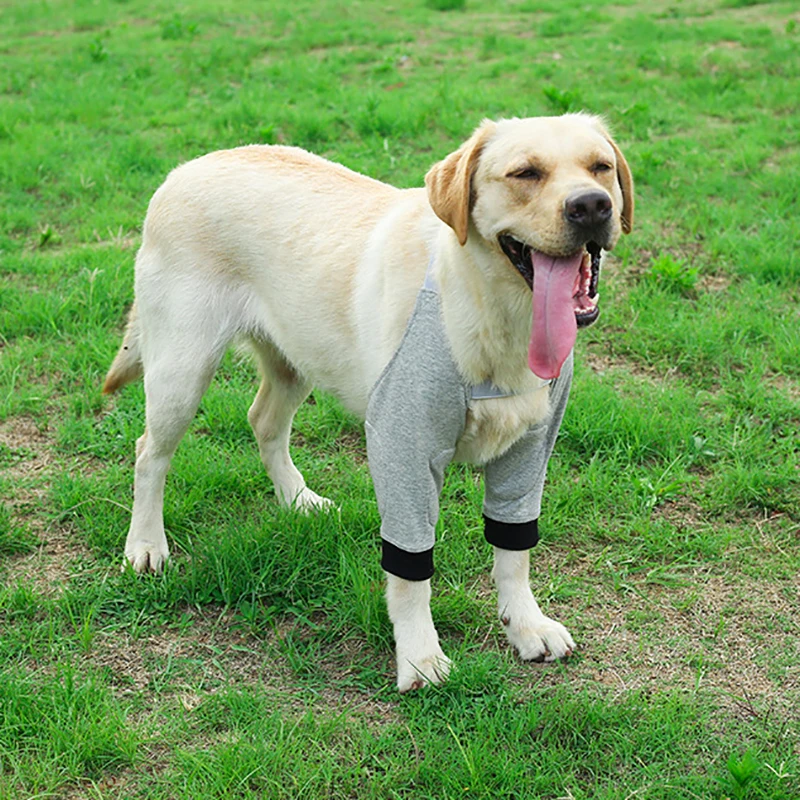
(554, 327)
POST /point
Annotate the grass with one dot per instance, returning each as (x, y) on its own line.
(259, 664)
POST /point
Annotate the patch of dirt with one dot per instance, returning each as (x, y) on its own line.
(601, 362)
(28, 445)
(786, 385)
(30, 450)
(775, 162)
(215, 653)
(210, 653)
(682, 513)
(357, 704)
(726, 44)
(730, 635)
(714, 283)
(352, 442)
(48, 567)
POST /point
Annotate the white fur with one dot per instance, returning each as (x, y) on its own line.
(535, 636)
(420, 659)
(319, 268)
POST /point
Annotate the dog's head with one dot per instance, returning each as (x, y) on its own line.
(548, 194)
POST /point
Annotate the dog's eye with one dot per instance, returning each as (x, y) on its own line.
(601, 166)
(529, 173)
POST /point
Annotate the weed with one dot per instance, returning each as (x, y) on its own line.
(97, 50)
(446, 5)
(47, 237)
(562, 100)
(673, 275)
(655, 492)
(178, 28)
(742, 773)
(743, 3)
(489, 45)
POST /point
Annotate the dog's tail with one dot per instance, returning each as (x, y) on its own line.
(127, 366)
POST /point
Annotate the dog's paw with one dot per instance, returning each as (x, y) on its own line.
(417, 670)
(309, 502)
(541, 639)
(146, 556)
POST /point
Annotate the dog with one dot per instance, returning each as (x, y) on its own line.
(333, 277)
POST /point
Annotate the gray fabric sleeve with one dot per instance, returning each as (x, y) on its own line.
(514, 482)
(415, 416)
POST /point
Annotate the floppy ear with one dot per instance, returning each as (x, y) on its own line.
(626, 183)
(449, 182)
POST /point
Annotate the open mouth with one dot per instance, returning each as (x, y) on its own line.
(584, 294)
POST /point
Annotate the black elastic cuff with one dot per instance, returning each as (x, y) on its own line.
(411, 566)
(511, 535)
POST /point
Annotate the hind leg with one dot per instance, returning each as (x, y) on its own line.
(280, 394)
(175, 381)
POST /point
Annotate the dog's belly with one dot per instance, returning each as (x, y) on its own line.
(493, 425)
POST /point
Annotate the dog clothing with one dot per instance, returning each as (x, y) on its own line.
(415, 416)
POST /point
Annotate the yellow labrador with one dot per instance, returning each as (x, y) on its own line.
(321, 269)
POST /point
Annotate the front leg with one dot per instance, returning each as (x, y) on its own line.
(535, 636)
(420, 659)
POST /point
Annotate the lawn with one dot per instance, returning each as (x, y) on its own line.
(259, 665)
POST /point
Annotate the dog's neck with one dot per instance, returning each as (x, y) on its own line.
(487, 313)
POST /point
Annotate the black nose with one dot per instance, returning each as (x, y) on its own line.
(588, 209)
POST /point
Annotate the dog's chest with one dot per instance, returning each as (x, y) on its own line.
(493, 425)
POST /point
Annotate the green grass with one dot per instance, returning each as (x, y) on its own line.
(14, 538)
(260, 663)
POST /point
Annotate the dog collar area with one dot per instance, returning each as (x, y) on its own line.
(488, 391)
